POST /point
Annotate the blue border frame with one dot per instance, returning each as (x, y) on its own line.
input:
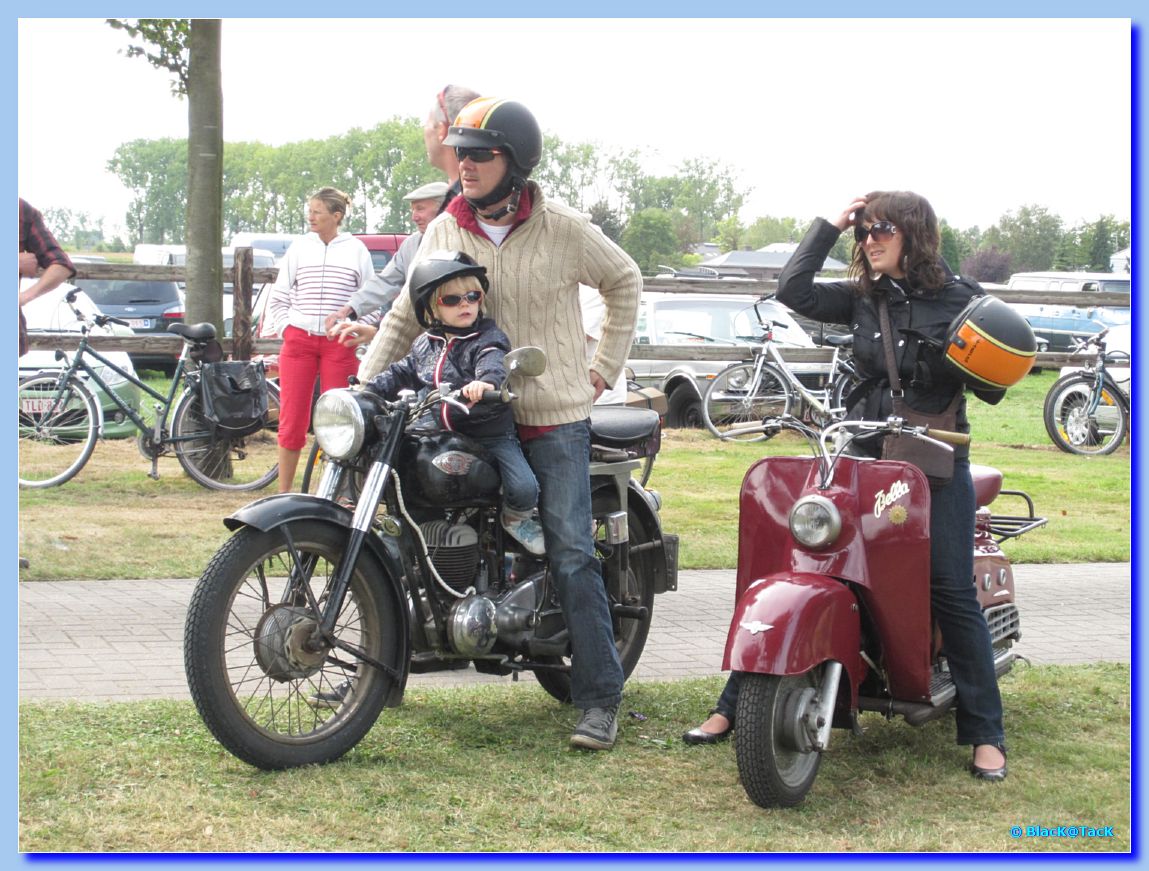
(675, 8)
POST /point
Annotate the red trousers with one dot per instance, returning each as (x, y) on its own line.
(302, 357)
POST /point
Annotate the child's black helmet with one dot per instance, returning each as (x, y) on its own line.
(439, 268)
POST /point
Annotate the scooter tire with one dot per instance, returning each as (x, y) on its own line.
(254, 685)
(773, 771)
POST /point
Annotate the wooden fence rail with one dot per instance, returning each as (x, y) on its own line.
(243, 345)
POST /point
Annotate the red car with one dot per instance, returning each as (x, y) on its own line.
(382, 246)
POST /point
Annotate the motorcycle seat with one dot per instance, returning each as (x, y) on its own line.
(618, 426)
(986, 483)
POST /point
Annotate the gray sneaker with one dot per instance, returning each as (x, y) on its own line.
(596, 729)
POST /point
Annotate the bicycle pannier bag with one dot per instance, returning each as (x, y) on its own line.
(234, 396)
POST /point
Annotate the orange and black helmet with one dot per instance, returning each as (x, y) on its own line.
(990, 344)
(489, 122)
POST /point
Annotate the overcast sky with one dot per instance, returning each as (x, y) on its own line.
(807, 113)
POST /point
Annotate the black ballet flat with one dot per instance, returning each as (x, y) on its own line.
(697, 736)
(993, 775)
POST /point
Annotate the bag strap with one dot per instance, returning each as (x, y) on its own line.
(891, 364)
(888, 346)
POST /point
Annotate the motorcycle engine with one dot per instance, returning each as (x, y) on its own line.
(454, 551)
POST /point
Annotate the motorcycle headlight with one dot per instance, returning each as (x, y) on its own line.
(815, 522)
(338, 423)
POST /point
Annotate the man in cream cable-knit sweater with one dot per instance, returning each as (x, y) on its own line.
(536, 253)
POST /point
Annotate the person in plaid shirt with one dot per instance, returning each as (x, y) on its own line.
(40, 255)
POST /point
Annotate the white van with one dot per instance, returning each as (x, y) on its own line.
(1060, 324)
(276, 243)
(147, 254)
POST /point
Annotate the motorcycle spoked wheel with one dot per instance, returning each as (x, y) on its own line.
(775, 763)
(637, 589)
(250, 676)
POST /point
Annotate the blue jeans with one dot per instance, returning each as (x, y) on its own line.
(560, 459)
(953, 601)
(520, 489)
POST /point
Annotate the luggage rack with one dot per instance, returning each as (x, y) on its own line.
(1003, 526)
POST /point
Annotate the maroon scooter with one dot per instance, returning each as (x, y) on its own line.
(832, 603)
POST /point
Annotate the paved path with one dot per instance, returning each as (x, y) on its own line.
(122, 640)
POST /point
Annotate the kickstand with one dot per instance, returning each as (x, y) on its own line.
(154, 474)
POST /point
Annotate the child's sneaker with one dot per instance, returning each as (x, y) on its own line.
(525, 531)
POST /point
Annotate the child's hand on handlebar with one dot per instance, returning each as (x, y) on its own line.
(475, 390)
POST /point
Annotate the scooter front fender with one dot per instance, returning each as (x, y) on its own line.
(278, 510)
(787, 624)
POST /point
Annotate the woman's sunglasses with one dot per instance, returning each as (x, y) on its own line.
(477, 155)
(881, 231)
(451, 300)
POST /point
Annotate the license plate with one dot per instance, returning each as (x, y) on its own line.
(140, 323)
(36, 406)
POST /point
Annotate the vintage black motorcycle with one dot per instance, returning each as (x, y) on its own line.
(309, 619)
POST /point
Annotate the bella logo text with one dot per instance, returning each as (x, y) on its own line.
(884, 500)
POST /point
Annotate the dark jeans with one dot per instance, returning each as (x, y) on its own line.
(520, 489)
(560, 459)
(953, 600)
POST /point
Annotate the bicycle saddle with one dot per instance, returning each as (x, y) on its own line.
(194, 332)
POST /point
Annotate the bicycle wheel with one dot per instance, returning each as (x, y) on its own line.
(219, 462)
(737, 398)
(843, 383)
(1076, 426)
(58, 424)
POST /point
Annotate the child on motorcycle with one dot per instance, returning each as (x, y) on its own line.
(464, 349)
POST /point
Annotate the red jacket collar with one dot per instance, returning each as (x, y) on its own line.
(465, 215)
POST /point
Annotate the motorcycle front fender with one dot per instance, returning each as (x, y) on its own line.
(787, 624)
(272, 512)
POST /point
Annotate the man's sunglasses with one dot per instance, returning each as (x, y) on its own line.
(477, 155)
(881, 231)
(451, 300)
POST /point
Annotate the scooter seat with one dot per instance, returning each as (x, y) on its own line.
(986, 483)
(618, 426)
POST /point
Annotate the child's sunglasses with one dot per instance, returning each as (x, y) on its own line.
(881, 231)
(451, 300)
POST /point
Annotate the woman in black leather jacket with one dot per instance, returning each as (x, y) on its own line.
(897, 255)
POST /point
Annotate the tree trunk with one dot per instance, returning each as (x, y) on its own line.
(205, 175)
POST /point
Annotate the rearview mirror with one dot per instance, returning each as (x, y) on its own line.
(529, 361)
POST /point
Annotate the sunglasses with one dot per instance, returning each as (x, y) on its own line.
(451, 300)
(477, 155)
(881, 231)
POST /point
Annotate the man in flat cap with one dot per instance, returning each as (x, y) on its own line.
(374, 299)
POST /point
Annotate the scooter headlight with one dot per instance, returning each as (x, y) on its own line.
(338, 423)
(815, 522)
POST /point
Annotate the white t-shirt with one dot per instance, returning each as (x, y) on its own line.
(593, 313)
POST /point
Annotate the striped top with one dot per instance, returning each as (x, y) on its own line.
(315, 279)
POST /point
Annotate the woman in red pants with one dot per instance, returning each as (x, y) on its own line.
(318, 275)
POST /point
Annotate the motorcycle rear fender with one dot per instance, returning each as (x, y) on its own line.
(664, 555)
(274, 511)
(789, 623)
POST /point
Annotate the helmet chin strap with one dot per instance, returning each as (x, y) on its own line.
(512, 186)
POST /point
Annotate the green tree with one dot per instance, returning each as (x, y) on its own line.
(767, 230)
(649, 238)
(951, 246)
(729, 234)
(707, 194)
(1030, 237)
(155, 171)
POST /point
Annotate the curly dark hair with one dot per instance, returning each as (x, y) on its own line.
(921, 239)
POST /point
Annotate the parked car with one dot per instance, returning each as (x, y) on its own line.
(706, 320)
(49, 313)
(149, 307)
(1060, 324)
(382, 246)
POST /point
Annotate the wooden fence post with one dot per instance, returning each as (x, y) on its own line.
(241, 281)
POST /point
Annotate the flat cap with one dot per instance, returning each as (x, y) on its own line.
(434, 190)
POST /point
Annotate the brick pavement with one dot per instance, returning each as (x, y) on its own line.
(122, 640)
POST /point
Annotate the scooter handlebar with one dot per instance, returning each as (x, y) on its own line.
(951, 438)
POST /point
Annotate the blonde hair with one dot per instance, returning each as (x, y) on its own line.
(337, 202)
(460, 284)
